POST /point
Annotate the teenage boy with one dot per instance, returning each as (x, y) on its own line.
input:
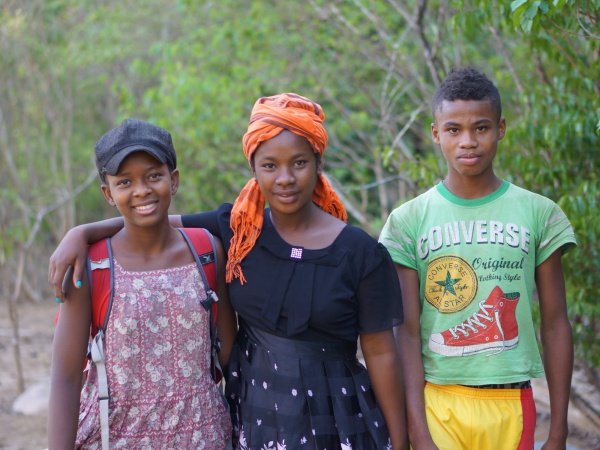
(469, 253)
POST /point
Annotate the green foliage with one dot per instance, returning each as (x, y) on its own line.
(73, 69)
(581, 267)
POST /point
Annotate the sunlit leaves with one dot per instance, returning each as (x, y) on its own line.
(196, 68)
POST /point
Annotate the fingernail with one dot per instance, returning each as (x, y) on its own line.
(78, 284)
(58, 300)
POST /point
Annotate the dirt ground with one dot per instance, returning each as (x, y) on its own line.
(18, 431)
(21, 432)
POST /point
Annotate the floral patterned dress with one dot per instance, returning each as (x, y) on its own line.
(157, 350)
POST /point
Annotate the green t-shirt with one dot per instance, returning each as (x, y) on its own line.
(476, 262)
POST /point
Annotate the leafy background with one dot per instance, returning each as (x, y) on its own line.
(72, 69)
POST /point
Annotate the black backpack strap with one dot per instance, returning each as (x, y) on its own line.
(211, 294)
(209, 303)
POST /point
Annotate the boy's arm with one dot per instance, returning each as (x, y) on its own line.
(72, 251)
(68, 355)
(383, 365)
(226, 318)
(408, 340)
(557, 345)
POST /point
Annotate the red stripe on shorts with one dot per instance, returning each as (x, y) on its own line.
(529, 417)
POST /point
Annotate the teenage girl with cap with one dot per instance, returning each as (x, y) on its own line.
(305, 286)
(157, 345)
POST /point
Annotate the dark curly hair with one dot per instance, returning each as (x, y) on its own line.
(467, 84)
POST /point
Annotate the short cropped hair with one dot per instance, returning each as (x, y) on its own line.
(467, 84)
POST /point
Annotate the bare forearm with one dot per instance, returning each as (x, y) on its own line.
(63, 415)
(72, 251)
(384, 371)
(414, 383)
(381, 357)
(226, 330)
(557, 343)
(408, 342)
(411, 360)
(98, 230)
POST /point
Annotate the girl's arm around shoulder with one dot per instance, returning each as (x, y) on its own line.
(69, 349)
(382, 362)
(72, 251)
(226, 317)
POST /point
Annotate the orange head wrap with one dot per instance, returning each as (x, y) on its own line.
(270, 116)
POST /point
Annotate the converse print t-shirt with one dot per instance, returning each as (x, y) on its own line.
(476, 262)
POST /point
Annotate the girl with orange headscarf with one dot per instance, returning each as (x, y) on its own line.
(306, 286)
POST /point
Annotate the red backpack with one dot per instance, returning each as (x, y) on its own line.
(101, 276)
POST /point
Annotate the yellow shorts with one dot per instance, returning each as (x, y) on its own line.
(461, 417)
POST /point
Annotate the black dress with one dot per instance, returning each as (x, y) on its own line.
(294, 381)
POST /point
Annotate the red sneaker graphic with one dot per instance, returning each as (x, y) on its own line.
(492, 328)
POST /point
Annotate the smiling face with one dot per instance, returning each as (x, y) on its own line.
(468, 133)
(142, 189)
(286, 169)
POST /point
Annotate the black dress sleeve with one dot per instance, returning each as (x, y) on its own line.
(378, 294)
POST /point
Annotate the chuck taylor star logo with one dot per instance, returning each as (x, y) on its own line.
(448, 283)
